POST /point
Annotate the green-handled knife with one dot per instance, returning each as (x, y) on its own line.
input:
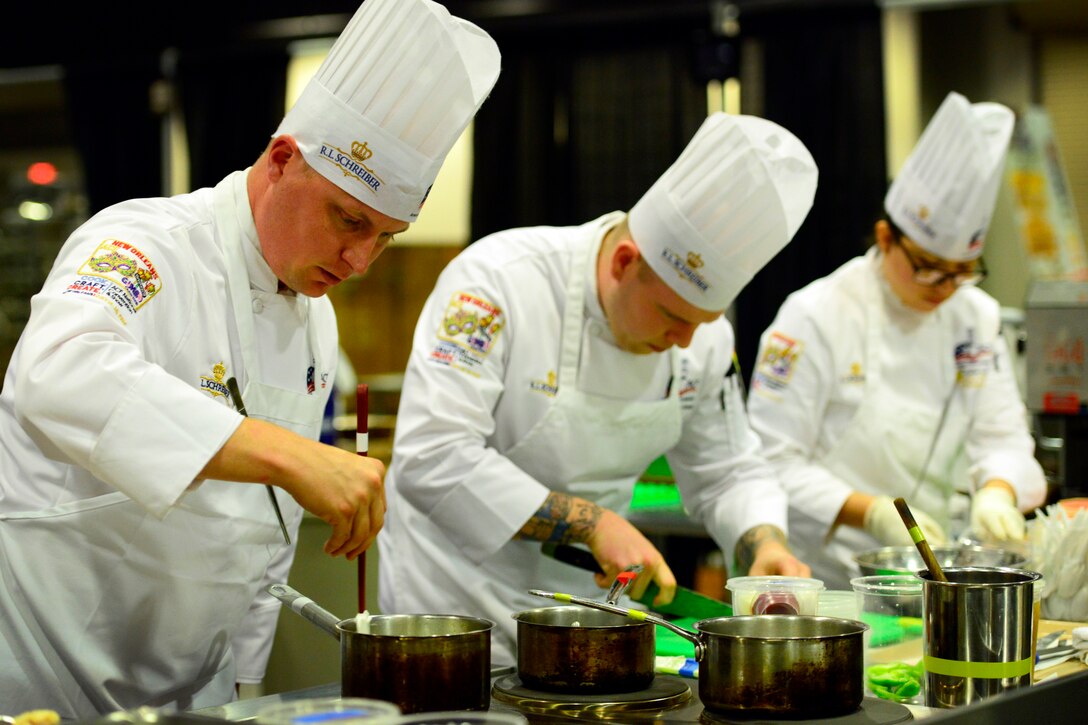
(686, 603)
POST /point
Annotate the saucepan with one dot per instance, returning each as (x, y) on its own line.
(573, 649)
(420, 662)
(787, 666)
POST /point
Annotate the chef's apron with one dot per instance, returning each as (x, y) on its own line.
(114, 608)
(586, 445)
(882, 451)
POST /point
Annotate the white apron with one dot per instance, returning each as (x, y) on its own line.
(882, 452)
(113, 608)
(586, 445)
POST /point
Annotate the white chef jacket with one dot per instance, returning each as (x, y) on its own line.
(114, 401)
(848, 394)
(483, 371)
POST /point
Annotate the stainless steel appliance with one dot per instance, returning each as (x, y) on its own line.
(1056, 330)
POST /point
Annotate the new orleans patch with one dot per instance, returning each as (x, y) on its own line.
(775, 367)
(120, 275)
(471, 323)
(457, 357)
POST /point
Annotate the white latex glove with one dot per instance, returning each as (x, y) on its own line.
(1080, 643)
(883, 522)
(994, 516)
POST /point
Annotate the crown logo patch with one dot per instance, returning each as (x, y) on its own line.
(215, 385)
(694, 260)
(360, 151)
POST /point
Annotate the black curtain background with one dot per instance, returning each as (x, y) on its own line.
(581, 122)
(566, 136)
(113, 126)
(233, 100)
(823, 80)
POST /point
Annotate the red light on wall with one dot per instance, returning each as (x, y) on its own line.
(42, 173)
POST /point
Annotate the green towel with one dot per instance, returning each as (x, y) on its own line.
(670, 644)
(886, 629)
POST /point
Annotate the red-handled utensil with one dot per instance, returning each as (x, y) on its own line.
(362, 446)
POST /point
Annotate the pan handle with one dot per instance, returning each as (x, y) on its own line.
(625, 612)
(307, 607)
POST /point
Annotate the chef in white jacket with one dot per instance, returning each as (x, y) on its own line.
(134, 547)
(550, 366)
(890, 378)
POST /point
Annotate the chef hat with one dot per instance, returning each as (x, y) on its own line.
(733, 199)
(944, 196)
(397, 89)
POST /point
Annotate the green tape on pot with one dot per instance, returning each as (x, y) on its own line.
(984, 670)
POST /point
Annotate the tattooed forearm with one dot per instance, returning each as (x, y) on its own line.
(563, 519)
(752, 539)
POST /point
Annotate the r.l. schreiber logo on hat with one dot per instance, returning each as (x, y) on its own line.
(686, 266)
(352, 163)
(919, 217)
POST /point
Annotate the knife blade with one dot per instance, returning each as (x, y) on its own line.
(686, 603)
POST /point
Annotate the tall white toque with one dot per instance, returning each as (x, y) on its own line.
(735, 197)
(944, 196)
(391, 98)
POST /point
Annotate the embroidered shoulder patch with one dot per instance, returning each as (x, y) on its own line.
(471, 323)
(776, 364)
(973, 361)
(120, 275)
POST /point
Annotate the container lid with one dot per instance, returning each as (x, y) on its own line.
(331, 710)
(773, 584)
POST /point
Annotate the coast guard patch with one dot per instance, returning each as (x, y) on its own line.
(973, 361)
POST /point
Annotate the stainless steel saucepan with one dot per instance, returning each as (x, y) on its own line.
(791, 666)
(420, 662)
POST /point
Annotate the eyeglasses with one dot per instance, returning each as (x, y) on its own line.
(934, 277)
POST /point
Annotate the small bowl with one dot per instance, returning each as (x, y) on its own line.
(907, 560)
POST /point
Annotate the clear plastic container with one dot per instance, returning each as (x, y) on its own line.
(837, 603)
(774, 594)
(331, 710)
(892, 607)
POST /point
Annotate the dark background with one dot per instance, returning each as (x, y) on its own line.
(596, 99)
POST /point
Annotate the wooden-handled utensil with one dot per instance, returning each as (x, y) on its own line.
(919, 540)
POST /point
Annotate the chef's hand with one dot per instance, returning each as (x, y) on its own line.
(346, 491)
(339, 487)
(762, 551)
(883, 522)
(617, 544)
(774, 558)
(994, 516)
